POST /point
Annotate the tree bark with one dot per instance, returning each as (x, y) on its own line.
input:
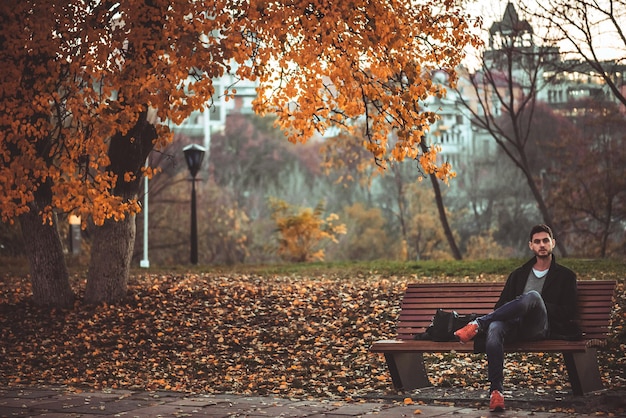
(443, 218)
(48, 271)
(109, 266)
(112, 249)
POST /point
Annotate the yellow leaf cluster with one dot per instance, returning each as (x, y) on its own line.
(74, 76)
(302, 231)
(362, 58)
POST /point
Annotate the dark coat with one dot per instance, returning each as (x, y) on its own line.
(559, 293)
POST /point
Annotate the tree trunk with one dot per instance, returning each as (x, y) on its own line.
(109, 267)
(456, 253)
(443, 218)
(48, 271)
(399, 182)
(113, 243)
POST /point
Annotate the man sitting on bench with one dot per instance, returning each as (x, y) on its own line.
(538, 301)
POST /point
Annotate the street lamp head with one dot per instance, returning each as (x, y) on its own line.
(194, 154)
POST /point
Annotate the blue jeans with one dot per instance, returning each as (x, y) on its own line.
(524, 318)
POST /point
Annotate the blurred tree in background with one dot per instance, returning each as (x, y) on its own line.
(367, 236)
(304, 232)
(587, 183)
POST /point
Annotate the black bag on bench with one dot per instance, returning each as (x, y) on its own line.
(443, 325)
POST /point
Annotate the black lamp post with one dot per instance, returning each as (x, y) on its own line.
(194, 154)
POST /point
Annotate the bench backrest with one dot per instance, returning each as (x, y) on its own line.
(421, 300)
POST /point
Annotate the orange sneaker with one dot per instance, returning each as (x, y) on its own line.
(496, 403)
(467, 333)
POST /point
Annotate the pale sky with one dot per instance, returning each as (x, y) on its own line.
(609, 46)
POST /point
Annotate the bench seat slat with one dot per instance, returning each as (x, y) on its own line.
(546, 346)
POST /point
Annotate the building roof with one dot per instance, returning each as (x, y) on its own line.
(510, 23)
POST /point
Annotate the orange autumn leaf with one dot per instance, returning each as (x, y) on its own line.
(306, 348)
(75, 77)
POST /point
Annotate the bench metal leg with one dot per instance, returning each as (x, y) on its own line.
(407, 370)
(583, 371)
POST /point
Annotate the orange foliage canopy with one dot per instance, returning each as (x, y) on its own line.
(76, 72)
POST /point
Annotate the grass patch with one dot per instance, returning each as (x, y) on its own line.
(586, 269)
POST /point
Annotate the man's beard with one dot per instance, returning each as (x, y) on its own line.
(546, 254)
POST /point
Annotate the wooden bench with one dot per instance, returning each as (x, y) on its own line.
(404, 355)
